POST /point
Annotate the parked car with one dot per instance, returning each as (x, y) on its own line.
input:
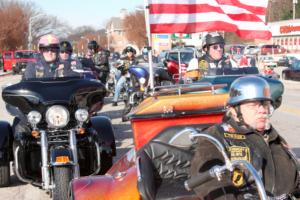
(267, 61)
(171, 61)
(235, 49)
(293, 72)
(251, 50)
(272, 49)
(16, 61)
(286, 61)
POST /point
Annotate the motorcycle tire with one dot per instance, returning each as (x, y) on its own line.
(62, 177)
(126, 110)
(4, 174)
(106, 162)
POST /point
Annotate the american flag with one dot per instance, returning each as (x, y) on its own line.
(244, 17)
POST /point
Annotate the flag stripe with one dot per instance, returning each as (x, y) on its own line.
(234, 13)
(245, 18)
(203, 17)
(206, 26)
(198, 8)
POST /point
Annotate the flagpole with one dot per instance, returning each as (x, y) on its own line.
(146, 8)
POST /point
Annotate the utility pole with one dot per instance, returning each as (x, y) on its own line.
(29, 34)
(294, 8)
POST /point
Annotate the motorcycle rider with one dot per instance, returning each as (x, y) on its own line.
(49, 64)
(100, 60)
(126, 62)
(65, 53)
(247, 134)
(213, 62)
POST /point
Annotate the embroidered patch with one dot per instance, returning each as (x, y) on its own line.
(237, 178)
(234, 136)
(239, 153)
(203, 65)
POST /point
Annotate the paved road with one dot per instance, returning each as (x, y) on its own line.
(285, 120)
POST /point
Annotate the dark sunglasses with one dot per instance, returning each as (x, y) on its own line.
(54, 50)
(67, 52)
(217, 46)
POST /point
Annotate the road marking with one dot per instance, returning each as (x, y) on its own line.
(290, 110)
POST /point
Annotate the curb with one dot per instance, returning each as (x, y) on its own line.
(5, 73)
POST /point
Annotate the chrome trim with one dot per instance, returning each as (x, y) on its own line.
(138, 170)
(18, 173)
(98, 160)
(45, 161)
(229, 165)
(73, 147)
(214, 141)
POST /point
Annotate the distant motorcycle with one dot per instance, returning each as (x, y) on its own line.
(135, 88)
(56, 135)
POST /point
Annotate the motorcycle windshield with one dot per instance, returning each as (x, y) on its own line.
(38, 94)
(139, 72)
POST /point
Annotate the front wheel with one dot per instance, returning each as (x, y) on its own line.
(106, 162)
(4, 174)
(126, 110)
(62, 178)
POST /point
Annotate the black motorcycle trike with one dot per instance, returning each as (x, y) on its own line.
(56, 134)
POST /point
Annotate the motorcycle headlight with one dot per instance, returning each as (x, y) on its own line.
(142, 80)
(57, 116)
(34, 117)
(81, 115)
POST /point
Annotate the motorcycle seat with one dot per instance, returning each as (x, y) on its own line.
(164, 165)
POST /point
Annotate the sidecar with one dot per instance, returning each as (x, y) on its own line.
(159, 163)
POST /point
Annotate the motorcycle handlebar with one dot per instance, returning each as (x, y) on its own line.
(198, 180)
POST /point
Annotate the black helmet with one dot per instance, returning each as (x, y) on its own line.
(65, 46)
(93, 45)
(212, 38)
(129, 49)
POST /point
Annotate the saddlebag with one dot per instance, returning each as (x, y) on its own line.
(6, 141)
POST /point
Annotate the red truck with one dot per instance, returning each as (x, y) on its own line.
(16, 61)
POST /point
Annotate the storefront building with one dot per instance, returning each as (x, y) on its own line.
(287, 34)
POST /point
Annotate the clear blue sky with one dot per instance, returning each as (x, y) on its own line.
(86, 12)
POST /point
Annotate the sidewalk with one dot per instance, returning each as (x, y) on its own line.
(5, 73)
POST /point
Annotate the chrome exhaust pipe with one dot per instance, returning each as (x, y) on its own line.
(73, 147)
(45, 167)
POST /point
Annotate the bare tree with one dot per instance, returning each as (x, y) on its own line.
(135, 30)
(16, 16)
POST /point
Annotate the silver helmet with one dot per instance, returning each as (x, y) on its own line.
(249, 88)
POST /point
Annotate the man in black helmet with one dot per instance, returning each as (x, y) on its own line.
(100, 60)
(213, 62)
(247, 134)
(65, 55)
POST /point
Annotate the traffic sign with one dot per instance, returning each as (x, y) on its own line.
(181, 36)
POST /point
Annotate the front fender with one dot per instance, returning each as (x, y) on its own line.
(6, 140)
(61, 152)
(105, 130)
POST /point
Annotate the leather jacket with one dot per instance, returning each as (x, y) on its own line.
(267, 152)
(209, 66)
(43, 69)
